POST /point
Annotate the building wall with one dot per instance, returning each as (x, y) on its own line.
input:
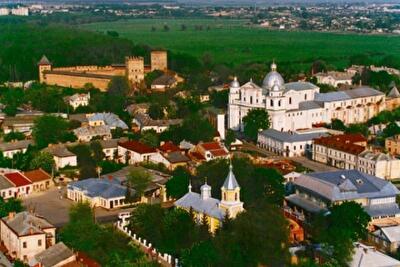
(62, 162)
(392, 145)
(75, 81)
(11, 153)
(159, 60)
(131, 157)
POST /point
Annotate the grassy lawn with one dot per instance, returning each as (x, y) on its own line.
(234, 41)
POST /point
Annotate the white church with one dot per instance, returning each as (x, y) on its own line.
(299, 105)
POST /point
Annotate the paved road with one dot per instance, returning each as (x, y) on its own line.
(313, 165)
(53, 205)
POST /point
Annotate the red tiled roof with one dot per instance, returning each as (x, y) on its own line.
(169, 147)
(86, 260)
(343, 142)
(211, 145)
(137, 147)
(219, 152)
(37, 175)
(17, 178)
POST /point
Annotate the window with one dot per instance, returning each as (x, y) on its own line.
(279, 103)
(39, 242)
(272, 103)
(24, 244)
(236, 197)
(305, 97)
(290, 100)
(251, 100)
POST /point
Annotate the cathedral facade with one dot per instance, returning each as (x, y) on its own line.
(300, 105)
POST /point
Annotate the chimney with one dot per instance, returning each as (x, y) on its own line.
(11, 215)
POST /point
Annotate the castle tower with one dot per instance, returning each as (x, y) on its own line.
(233, 110)
(134, 69)
(230, 192)
(44, 65)
(159, 60)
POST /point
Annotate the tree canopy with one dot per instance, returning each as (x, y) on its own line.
(254, 121)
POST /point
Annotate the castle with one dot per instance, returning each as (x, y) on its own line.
(78, 76)
(300, 105)
(213, 209)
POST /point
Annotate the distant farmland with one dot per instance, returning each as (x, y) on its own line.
(235, 41)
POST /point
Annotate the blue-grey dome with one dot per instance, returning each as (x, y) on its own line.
(273, 79)
(235, 83)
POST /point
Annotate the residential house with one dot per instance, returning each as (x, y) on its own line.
(379, 164)
(170, 155)
(316, 192)
(62, 156)
(22, 185)
(289, 144)
(88, 133)
(109, 119)
(334, 78)
(138, 108)
(143, 122)
(213, 209)
(369, 256)
(104, 193)
(58, 255)
(392, 145)
(386, 238)
(340, 151)
(164, 82)
(209, 151)
(7, 189)
(25, 235)
(77, 100)
(131, 152)
(110, 148)
(22, 124)
(11, 148)
(41, 180)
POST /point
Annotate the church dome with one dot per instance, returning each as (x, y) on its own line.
(235, 83)
(273, 79)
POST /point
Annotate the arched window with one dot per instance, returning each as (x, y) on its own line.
(240, 95)
(224, 195)
(305, 97)
(279, 103)
(236, 198)
(251, 99)
(290, 100)
(272, 103)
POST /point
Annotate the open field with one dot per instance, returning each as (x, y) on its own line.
(235, 41)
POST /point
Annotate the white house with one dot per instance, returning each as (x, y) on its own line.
(11, 148)
(289, 144)
(105, 193)
(379, 164)
(300, 105)
(143, 122)
(77, 100)
(25, 234)
(62, 156)
(132, 152)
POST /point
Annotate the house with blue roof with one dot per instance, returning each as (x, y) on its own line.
(105, 193)
(316, 192)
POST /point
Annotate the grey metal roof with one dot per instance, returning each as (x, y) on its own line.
(230, 182)
(382, 209)
(304, 203)
(290, 137)
(22, 144)
(347, 95)
(145, 120)
(109, 119)
(44, 61)
(95, 187)
(5, 183)
(54, 255)
(193, 200)
(88, 130)
(327, 185)
(299, 86)
(306, 105)
(59, 151)
(26, 223)
(176, 156)
(394, 92)
(369, 256)
(391, 233)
